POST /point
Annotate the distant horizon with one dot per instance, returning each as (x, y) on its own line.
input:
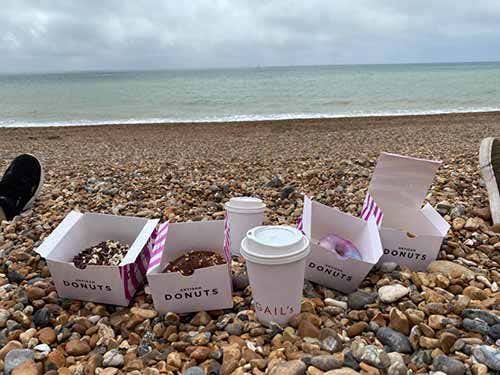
(241, 67)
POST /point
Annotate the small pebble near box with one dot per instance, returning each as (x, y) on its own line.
(112, 284)
(337, 268)
(181, 282)
(411, 234)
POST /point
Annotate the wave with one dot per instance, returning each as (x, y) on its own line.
(238, 118)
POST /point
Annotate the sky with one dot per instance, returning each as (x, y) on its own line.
(76, 35)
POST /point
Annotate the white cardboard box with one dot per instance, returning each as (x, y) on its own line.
(207, 288)
(325, 267)
(411, 235)
(105, 284)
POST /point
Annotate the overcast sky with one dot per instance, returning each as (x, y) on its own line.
(62, 35)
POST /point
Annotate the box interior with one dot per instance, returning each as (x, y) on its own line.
(183, 237)
(91, 229)
(364, 235)
(400, 217)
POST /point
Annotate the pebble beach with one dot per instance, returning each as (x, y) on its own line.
(443, 321)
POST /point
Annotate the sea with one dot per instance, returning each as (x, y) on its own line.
(257, 93)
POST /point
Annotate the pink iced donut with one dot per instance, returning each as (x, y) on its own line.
(344, 248)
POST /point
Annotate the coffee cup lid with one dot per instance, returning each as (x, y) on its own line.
(245, 204)
(278, 244)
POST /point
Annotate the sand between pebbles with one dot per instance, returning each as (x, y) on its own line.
(448, 321)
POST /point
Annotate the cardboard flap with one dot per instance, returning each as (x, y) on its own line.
(56, 236)
(402, 179)
(307, 216)
(141, 241)
(435, 218)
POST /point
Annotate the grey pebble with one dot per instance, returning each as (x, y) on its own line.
(194, 371)
(395, 341)
(488, 356)
(16, 357)
(448, 365)
(359, 299)
(476, 325)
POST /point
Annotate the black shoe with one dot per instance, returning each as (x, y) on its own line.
(489, 161)
(20, 185)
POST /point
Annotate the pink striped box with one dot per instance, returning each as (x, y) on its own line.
(325, 266)
(104, 284)
(207, 288)
(411, 234)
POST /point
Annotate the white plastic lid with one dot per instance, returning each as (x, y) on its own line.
(245, 204)
(278, 244)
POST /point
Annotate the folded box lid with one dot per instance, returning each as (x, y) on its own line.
(402, 179)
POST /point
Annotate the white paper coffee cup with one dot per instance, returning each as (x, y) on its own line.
(244, 213)
(276, 258)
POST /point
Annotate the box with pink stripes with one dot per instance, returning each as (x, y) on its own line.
(112, 284)
(344, 248)
(411, 234)
(186, 289)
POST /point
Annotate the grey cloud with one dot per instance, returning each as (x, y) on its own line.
(53, 35)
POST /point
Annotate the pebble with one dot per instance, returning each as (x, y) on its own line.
(26, 368)
(488, 356)
(308, 329)
(397, 366)
(294, 367)
(15, 357)
(450, 269)
(356, 329)
(388, 267)
(333, 302)
(47, 335)
(359, 299)
(342, 371)
(395, 341)
(494, 332)
(392, 293)
(448, 365)
(326, 362)
(483, 315)
(194, 371)
(476, 325)
(44, 348)
(370, 354)
(286, 192)
(41, 317)
(113, 358)
(77, 347)
(234, 329)
(398, 321)
(240, 281)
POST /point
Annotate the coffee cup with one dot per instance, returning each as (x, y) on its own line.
(243, 214)
(275, 259)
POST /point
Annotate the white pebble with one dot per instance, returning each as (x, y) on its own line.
(334, 302)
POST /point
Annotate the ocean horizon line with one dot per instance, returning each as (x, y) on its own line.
(239, 118)
(249, 67)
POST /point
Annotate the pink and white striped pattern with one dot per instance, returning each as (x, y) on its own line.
(133, 274)
(300, 225)
(227, 240)
(159, 246)
(370, 209)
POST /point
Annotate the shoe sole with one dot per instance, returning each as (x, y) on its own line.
(489, 178)
(38, 189)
